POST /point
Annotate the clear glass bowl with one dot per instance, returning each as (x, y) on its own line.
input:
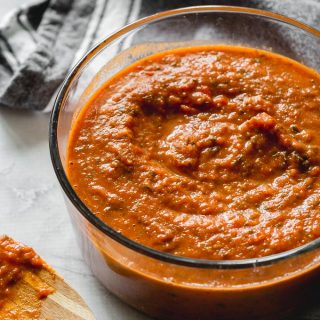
(157, 283)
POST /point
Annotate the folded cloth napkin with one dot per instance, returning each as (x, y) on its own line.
(39, 43)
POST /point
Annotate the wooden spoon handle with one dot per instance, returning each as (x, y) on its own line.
(65, 303)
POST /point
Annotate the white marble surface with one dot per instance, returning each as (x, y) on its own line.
(32, 209)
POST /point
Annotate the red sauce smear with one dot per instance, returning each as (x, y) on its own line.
(14, 259)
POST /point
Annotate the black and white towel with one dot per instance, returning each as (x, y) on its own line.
(39, 43)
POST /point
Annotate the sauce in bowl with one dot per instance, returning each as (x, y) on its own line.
(207, 152)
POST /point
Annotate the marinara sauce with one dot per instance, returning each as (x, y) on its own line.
(204, 152)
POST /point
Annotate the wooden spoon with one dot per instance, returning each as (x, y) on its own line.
(63, 303)
(41, 294)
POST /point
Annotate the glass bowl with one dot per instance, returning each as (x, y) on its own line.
(159, 284)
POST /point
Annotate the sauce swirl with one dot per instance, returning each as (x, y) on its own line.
(205, 152)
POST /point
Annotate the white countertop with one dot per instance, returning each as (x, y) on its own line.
(33, 210)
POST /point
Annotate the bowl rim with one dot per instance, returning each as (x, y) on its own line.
(99, 224)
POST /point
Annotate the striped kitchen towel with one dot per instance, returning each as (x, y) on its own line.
(39, 43)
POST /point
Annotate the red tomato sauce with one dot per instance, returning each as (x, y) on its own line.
(204, 152)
